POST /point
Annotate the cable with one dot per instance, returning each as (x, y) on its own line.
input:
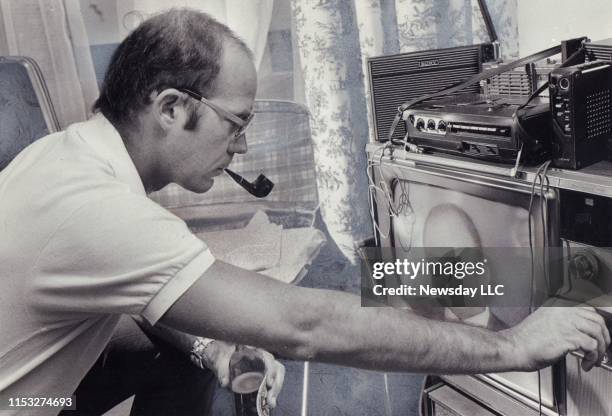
(529, 224)
(541, 177)
(539, 393)
(394, 209)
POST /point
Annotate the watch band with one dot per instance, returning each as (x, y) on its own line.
(198, 354)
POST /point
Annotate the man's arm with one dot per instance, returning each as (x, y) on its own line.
(236, 305)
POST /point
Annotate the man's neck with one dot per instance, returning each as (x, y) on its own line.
(141, 148)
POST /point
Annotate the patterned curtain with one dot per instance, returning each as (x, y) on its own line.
(328, 46)
(334, 40)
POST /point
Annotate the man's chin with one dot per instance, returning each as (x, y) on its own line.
(201, 186)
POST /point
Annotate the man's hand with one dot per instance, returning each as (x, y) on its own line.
(275, 376)
(551, 332)
(220, 353)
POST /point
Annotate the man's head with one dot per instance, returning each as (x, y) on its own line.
(171, 136)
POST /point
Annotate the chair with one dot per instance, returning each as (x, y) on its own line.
(26, 113)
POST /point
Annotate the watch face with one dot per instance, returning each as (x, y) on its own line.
(262, 401)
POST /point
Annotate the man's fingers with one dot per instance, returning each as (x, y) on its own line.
(275, 377)
(592, 315)
(589, 361)
(275, 383)
(589, 347)
(594, 330)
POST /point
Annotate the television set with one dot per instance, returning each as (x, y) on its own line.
(418, 204)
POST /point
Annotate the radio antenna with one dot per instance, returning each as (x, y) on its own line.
(486, 16)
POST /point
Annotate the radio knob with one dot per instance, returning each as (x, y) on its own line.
(442, 125)
(431, 124)
(564, 83)
(420, 124)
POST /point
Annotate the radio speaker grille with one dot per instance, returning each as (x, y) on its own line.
(399, 78)
(598, 115)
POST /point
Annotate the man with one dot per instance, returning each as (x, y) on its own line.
(82, 244)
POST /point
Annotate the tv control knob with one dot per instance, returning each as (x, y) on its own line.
(584, 266)
(420, 124)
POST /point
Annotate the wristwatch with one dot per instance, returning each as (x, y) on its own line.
(198, 354)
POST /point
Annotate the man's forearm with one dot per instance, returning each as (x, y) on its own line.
(400, 340)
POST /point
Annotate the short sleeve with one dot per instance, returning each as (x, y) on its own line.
(117, 255)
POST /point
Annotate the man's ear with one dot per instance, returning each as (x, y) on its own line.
(169, 108)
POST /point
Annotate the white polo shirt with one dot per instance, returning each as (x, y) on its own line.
(80, 244)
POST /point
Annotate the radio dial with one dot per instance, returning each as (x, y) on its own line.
(564, 83)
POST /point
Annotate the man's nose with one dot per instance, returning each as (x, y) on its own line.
(239, 145)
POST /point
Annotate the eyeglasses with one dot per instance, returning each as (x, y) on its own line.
(242, 123)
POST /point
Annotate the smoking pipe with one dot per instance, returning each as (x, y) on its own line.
(260, 188)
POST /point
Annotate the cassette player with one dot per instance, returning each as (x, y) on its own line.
(481, 127)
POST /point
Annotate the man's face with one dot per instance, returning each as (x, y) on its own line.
(198, 155)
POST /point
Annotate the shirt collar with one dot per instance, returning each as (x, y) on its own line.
(100, 134)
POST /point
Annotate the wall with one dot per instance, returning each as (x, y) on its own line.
(544, 23)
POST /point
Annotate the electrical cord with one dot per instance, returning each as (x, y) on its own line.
(394, 209)
(540, 177)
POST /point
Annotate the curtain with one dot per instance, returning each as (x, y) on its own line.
(334, 39)
(328, 47)
(39, 29)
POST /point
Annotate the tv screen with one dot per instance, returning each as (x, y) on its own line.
(463, 211)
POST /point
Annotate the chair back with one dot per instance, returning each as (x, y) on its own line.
(26, 113)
